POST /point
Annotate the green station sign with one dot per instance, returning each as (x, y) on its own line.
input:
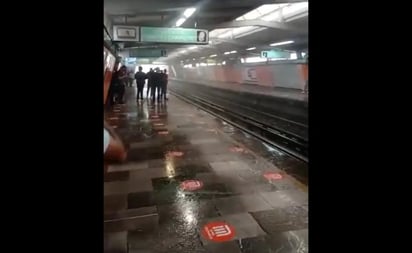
(174, 35)
(147, 52)
(274, 54)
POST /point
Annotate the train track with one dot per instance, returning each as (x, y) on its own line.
(287, 142)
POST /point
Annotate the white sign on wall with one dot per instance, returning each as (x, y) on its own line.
(249, 75)
(125, 33)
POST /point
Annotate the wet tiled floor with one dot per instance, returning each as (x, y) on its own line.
(194, 184)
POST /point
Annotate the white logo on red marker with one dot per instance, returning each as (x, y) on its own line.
(236, 149)
(175, 154)
(273, 176)
(191, 185)
(218, 231)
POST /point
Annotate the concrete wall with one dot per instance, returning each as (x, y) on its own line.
(285, 75)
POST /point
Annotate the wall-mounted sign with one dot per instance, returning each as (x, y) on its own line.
(147, 52)
(125, 33)
(249, 75)
(174, 35)
(274, 54)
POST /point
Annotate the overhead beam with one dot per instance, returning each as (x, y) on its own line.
(261, 23)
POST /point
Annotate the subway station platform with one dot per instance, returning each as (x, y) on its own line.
(292, 94)
(193, 183)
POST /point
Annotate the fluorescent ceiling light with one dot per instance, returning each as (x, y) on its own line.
(194, 59)
(254, 59)
(213, 55)
(189, 12)
(202, 57)
(250, 48)
(233, 52)
(226, 52)
(180, 21)
(194, 47)
(282, 43)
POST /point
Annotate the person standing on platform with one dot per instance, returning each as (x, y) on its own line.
(149, 83)
(131, 78)
(165, 82)
(140, 77)
(156, 83)
(122, 77)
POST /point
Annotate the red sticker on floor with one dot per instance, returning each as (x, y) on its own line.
(237, 149)
(175, 153)
(273, 176)
(191, 185)
(218, 231)
(163, 132)
(154, 117)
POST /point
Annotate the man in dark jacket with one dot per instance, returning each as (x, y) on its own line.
(140, 77)
(149, 83)
(165, 78)
(156, 84)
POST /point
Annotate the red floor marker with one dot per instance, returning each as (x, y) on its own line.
(113, 118)
(273, 176)
(163, 132)
(158, 124)
(237, 149)
(191, 185)
(218, 231)
(154, 117)
(175, 153)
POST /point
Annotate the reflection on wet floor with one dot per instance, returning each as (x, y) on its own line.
(193, 183)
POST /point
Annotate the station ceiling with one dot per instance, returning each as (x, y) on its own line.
(211, 15)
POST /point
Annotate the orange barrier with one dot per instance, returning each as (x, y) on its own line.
(109, 63)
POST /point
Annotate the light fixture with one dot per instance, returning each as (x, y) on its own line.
(180, 21)
(233, 52)
(213, 55)
(226, 52)
(194, 47)
(250, 48)
(202, 57)
(282, 43)
(194, 59)
(189, 12)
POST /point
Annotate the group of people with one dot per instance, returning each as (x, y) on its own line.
(114, 149)
(156, 83)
